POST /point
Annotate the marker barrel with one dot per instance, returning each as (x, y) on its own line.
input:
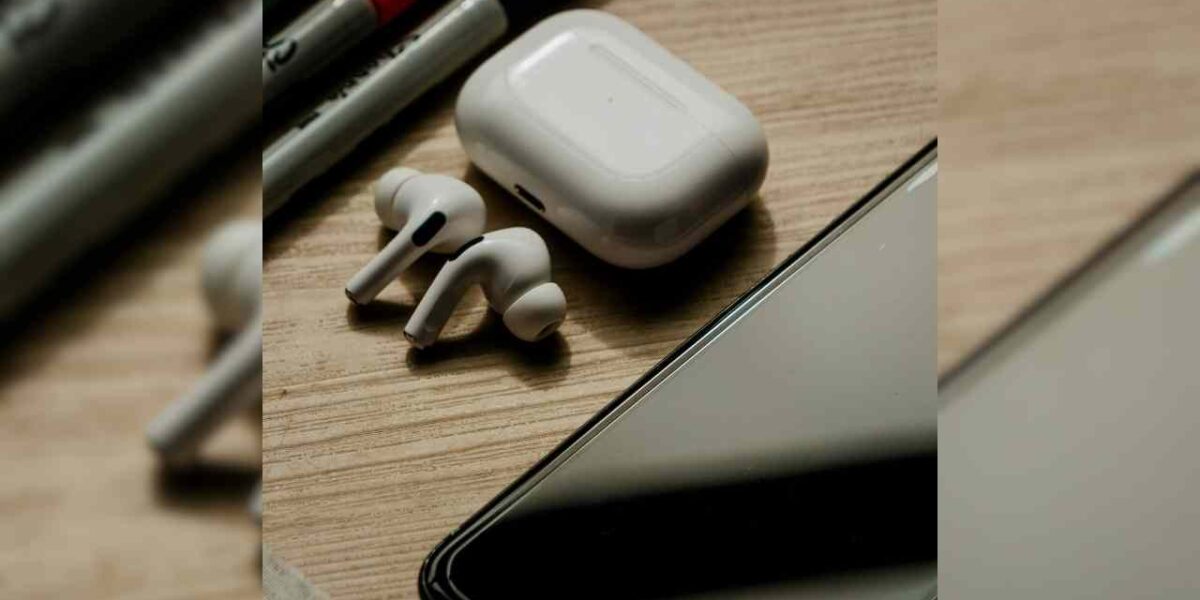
(317, 38)
(441, 46)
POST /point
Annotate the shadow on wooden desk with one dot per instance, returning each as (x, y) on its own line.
(220, 485)
(120, 270)
(539, 364)
(114, 339)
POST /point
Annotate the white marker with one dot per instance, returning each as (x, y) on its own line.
(137, 145)
(321, 35)
(438, 47)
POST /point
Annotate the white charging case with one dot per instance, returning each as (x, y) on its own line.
(610, 137)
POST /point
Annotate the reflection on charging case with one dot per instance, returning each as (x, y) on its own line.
(614, 140)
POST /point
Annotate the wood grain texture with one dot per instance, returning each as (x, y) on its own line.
(373, 452)
(1060, 122)
(84, 510)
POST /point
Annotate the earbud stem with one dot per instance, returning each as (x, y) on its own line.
(399, 254)
(233, 382)
(434, 310)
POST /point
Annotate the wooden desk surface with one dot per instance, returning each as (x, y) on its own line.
(84, 511)
(1060, 123)
(373, 452)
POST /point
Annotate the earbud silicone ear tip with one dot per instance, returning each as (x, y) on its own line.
(222, 266)
(386, 188)
(537, 313)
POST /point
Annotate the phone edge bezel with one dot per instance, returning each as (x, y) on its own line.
(431, 574)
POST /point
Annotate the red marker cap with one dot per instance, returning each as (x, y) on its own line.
(389, 9)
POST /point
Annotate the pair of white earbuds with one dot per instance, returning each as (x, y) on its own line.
(443, 214)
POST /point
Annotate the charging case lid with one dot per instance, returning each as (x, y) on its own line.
(614, 140)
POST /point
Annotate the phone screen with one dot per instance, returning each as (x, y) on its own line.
(1071, 438)
(787, 450)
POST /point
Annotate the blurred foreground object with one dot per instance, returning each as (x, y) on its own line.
(1061, 122)
(42, 40)
(232, 275)
(130, 151)
(1067, 444)
(89, 510)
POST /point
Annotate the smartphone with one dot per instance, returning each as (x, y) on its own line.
(785, 450)
(1070, 437)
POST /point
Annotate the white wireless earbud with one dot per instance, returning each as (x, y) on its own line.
(428, 212)
(232, 275)
(513, 267)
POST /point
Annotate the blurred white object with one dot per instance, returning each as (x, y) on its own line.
(233, 289)
(72, 197)
(42, 40)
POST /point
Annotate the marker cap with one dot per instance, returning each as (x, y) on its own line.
(389, 9)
